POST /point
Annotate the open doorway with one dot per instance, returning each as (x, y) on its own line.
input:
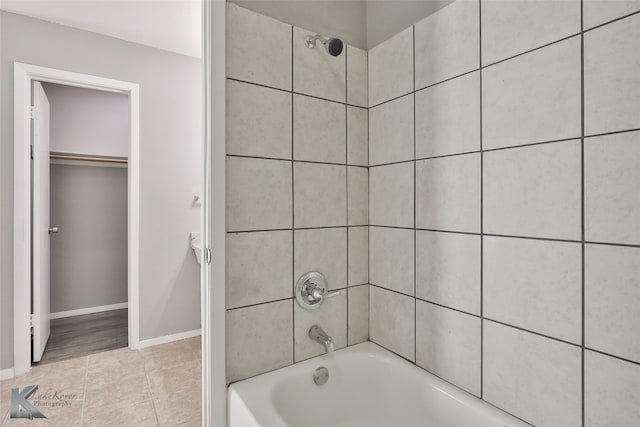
(76, 281)
(85, 193)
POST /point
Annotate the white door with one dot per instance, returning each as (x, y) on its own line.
(41, 225)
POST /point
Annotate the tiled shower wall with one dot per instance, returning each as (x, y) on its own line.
(504, 148)
(297, 192)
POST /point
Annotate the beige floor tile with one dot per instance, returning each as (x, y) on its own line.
(196, 422)
(115, 365)
(71, 385)
(75, 366)
(167, 356)
(184, 406)
(168, 382)
(113, 394)
(141, 414)
(67, 414)
(194, 343)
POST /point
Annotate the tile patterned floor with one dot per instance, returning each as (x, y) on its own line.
(155, 386)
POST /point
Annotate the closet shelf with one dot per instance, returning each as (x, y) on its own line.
(81, 158)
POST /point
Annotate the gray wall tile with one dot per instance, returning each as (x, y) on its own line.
(448, 43)
(247, 35)
(611, 77)
(259, 267)
(513, 27)
(320, 193)
(448, 345)
(330, 316)
(448, 269)
(612, 391)
(253, 350)
(611, 179)
(319, 130)
(258, 194)
(358, 322)
(323, 250)
(448, 117)
(533, 191)
(533, 98)
(358, 195)
(392, 321)
(315, 71)
(448, 193)
(357, 77)
(597, 12)
(358, 260)
(534, 378)
(357, 136)
(258, 121)
(391, 131)
(534, 284)
(391, 68)
(612, 300)
(391, 258)
(391, 195)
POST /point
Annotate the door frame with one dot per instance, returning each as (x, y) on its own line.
(23, 75)
(213, 273)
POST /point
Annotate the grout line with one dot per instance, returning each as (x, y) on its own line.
(293, 210)
(508, 325)
(447, 79)
(595, 135)
(532, 50)
(146, 379)
(84, 396)
(610, 22)
(294, 229)
(624, 245)
(259, 303)
(582, 216)
(481, 210)
(242, 156)
(415, 233)
(637, 363)
(346, 155)
(530, 144)
(391, 100)
(293, 92)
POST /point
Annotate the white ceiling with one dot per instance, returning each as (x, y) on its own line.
(172, 25)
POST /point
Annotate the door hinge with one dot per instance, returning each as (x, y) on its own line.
(33, 112)
(31, 146)
(32, 321)
(207, 255)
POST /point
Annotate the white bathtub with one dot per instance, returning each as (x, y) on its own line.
(368, 386)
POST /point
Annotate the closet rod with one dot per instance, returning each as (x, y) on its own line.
(87, 159)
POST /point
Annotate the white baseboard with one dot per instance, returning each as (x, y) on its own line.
(169, 338)
(88, 310)
(6, 374)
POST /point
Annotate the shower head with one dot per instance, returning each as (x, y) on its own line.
(333, 46)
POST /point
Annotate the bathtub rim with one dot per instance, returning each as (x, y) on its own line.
(237, 389)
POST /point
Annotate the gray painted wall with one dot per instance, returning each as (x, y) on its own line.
(360, 23)
(170, 142)
(89, 253)
(88, 121)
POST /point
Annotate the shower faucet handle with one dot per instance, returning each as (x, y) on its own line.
(311, 290)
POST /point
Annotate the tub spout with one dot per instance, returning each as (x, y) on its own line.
(318, 335)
